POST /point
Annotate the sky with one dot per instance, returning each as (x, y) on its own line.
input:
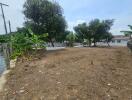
(76, 12)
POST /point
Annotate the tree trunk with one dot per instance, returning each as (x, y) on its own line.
(52, 43)
(130, 36)
(108, 44)
(89, 42)
(94, 41)
(94, 44)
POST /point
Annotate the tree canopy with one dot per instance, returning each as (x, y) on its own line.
(83, 32)
(95, 31)
(100, 29)
(44, 16)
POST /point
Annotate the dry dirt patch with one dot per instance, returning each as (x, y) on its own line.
(72, 74)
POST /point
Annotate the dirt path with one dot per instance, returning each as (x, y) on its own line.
(73, 74)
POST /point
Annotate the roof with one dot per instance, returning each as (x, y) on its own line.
(121, 37)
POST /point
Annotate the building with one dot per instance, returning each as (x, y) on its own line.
(120, 40)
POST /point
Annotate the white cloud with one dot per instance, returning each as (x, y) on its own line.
(121, 23)
(76, 12)
(12, 13)
(72, 24)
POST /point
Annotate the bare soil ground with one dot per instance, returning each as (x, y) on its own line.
(72, 74)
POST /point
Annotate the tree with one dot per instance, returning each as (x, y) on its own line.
(71, 37)
(128, 33)
(105, 27)
(44, 16)
(62, 37)
(95, 32)
(94, 27)
(108, 38)
(100, 29)
(83, 33)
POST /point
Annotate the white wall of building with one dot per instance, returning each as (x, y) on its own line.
(119, 43)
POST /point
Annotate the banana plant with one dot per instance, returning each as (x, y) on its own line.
(128, 33)
(23, 43)
(20, 44)
(36, 39)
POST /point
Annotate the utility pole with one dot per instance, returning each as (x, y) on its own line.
(7, 45)
(9, 26)
(10, 49)
(1, 4)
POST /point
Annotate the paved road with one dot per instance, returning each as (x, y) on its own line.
(55, 48)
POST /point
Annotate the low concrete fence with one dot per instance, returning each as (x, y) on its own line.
(56, 44)
(5, 48)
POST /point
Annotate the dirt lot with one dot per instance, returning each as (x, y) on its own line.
(72, 74)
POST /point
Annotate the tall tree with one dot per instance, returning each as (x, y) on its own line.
(94, 28)
(44, 16)
(100, 29)
(83, 33)
(95, 32)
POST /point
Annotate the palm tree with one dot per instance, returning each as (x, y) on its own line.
(128, 33)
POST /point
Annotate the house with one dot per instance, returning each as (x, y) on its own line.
(120, 40)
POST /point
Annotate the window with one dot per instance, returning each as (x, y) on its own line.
(118, 41)
(113, 41)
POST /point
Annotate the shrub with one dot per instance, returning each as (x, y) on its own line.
(71, 37)
(23, 43)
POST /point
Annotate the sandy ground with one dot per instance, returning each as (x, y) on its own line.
(72, 74)
(3, 78)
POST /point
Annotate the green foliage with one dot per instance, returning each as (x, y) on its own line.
(20, 44)
(23, 43)
(107, 38)
(96, 31)
(71, 37)
(83, 33)
(36, 39)
(4, 38)
(100, 29)
(61, 38)
(44, 16)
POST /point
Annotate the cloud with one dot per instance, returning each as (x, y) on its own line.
(121, 23)
(72, 24)
(12, 13)
(77, 11)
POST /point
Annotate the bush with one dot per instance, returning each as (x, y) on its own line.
(71, 37)
(23, 43)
